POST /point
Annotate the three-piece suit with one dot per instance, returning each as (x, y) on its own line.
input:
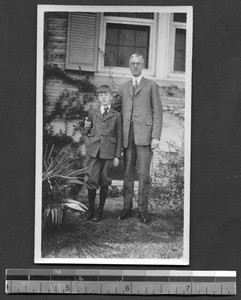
(141, 110)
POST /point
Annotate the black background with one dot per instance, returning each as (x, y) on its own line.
(216, 138)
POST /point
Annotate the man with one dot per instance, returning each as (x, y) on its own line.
(140, 104)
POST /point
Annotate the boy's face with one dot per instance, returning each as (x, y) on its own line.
(105, 98)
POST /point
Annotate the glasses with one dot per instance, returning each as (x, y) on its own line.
(135, 64)
(103, 94)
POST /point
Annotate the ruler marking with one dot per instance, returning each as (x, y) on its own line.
(177, 283)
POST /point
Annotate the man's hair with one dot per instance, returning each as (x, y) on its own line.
(137, 55)
(104, 88)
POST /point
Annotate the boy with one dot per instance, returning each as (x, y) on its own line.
(103, 149)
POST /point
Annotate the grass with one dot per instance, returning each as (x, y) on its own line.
(114, 238)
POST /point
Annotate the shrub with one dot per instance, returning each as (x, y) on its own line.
(61, 172)
(167, 187)
(115, 192)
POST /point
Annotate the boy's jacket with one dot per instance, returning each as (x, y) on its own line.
(105, 134)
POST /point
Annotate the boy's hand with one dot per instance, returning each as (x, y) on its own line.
(87, 123)
(116, 162)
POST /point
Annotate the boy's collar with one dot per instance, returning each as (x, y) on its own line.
(102, 108)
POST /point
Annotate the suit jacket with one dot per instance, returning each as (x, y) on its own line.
(105, 134)
(143, 108)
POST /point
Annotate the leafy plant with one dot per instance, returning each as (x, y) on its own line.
(60, 172)
(115, 192)
(168, 185)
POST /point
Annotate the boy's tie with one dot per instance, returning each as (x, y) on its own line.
(105, 111)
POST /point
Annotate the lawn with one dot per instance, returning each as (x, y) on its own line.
(162, 238)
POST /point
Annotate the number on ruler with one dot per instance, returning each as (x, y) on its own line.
(67, 287)
(127, 288)
(188, 287)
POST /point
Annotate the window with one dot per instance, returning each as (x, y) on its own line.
(122, 34)
(180, 50)
(179, 21)
(122, 41)
(131, 15)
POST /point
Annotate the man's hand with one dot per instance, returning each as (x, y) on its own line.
(154, 144)
(116, 162)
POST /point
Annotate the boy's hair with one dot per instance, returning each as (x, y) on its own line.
(104, 89)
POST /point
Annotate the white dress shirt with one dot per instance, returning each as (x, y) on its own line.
(138, 79)
(102, 108)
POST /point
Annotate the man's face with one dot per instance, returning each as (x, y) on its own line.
(136, 66)
(105, 98)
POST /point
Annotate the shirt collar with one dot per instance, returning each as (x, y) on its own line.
(102, 108)
(137, 78)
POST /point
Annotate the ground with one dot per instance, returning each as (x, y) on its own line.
(162, 238)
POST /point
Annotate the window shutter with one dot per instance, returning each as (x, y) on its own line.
(82, 41)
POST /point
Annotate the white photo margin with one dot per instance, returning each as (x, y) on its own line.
(39, 126)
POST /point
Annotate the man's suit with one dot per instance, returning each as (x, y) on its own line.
(103, 144)
(142, 121)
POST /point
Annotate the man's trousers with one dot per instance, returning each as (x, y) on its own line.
(139, 156)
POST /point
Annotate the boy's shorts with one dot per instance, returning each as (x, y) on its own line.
(99, 172)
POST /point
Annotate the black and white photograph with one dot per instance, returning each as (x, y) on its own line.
(113, 134)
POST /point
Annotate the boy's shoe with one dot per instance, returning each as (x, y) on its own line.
(89, 215)
(126, 213)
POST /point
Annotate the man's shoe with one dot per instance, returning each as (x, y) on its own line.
(126, 213)
(143, 218)
(98, 217)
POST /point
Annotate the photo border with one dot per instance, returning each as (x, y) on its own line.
(39, 136)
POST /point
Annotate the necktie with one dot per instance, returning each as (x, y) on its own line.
(135, 85)
(105, 111)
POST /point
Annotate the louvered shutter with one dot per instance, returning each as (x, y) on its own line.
(82, 42)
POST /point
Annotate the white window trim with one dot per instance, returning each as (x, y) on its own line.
(173, 26)
(118, 71)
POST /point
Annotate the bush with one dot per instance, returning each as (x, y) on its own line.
(61, 174)
(115, 192)
(167, 188)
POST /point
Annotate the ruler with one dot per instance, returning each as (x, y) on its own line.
(107, 281)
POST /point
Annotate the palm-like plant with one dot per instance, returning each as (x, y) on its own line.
(60, 172)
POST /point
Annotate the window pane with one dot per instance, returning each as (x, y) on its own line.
(126, 37)
(123, 40)
(180, 50)
(142, 38)
(111, 36)
(110, 56)
(144, 53)
(124, 54)
(180, 17)
(131, 15)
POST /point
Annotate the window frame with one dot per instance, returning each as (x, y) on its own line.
(172, 74)
(128, 21)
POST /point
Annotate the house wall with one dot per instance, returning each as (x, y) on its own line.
(56, 32)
